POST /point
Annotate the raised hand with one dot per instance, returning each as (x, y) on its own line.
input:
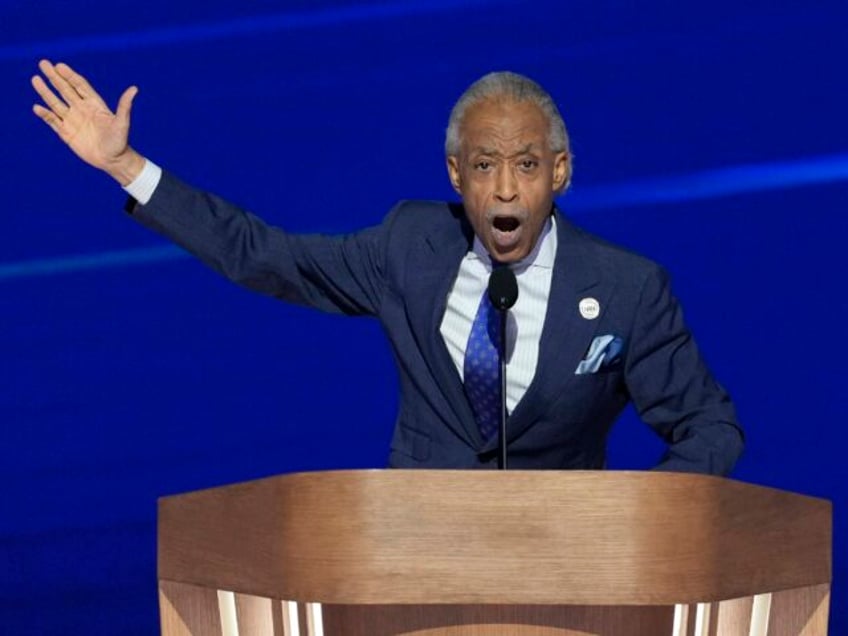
(83, 121)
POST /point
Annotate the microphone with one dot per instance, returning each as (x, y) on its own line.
(503, 288)
(503, 292)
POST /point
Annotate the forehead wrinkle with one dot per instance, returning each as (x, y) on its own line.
(503, 130)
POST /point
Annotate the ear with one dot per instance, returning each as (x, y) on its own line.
(453, 173)
(562, 171)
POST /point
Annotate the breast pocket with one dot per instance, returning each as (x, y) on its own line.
(585, 395)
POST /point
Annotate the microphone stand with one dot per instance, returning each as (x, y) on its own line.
(502, 463)
(503, 292)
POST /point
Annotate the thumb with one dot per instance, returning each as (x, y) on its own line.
(125, 104)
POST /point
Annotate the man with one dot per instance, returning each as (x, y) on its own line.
(594, 325)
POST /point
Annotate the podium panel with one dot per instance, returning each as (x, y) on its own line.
(477, 552)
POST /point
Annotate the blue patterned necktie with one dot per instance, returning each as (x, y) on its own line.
(482, 372)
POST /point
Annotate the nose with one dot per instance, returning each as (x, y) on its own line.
(506, 186)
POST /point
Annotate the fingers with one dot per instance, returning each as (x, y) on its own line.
(76, 81)
(48, 117)
(54, 103)
(68, 93)
(125, 104)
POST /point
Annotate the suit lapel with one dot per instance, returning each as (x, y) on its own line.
(566, 334)
(432, 268)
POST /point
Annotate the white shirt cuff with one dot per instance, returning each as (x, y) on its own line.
(144, 185)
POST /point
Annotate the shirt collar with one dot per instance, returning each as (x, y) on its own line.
(542, 255)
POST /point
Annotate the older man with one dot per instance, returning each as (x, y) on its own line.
(593, 327)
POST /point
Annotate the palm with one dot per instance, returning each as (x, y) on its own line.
(93, 132)
(80, 116)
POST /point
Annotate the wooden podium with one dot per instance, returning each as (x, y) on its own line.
(514, 553)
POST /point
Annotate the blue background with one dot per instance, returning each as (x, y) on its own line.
(708, 136)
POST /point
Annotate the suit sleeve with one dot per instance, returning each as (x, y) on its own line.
(336, 274)
(674, 392)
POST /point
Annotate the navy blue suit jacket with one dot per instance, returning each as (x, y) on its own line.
(401, 272)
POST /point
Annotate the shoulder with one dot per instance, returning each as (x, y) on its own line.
(606, 258)
(425, 213)
(420, 219)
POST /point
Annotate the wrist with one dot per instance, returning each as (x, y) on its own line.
(125, 168)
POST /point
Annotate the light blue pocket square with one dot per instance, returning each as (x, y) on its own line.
(604, 352)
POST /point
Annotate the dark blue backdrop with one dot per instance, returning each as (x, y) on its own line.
(710, 136)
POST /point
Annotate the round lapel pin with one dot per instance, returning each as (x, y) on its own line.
(589, 308)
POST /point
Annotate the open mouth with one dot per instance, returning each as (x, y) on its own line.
(506, 232)
(506, 223)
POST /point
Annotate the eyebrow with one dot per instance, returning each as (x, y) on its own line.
(491, 152)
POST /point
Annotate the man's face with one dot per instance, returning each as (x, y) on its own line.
(507, 175)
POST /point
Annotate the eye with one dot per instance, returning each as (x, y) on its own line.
(528, 165)
(483, 165)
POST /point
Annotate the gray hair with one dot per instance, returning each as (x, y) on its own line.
(505, 84)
